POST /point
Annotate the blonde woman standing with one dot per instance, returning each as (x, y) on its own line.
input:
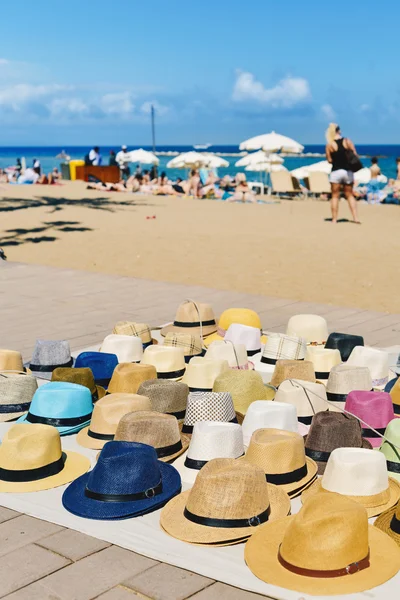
(341, 175)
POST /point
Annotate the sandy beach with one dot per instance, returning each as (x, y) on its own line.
(283, 249)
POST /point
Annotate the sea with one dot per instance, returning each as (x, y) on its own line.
(387, 155)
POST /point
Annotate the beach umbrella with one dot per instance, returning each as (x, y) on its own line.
(216, 162)
(259, 157)
(364, 176)
(265, 167)
(272, 142)
(188, 160)
(143, 157)
(322, 166)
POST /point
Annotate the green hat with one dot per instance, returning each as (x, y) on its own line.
(391, 451)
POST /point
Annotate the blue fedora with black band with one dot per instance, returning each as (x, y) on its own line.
(102, 365)
(48, 355)
(66, 406)
(128, 480)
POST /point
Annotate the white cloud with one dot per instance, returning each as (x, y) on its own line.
(17, 97)
(117, 104)
(160, 109)
(328, 112)
(285, 94)
(71, 106)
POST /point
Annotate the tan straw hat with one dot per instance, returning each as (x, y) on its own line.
(389, 522)
(323, 360)
(190, 343)
(292, 369)
(281, 456)
(227, 503)
(141, 330)
(169, 397)
(308, 398)
(201, 373)
(344, 379)
(245, 387)
(313, 328)
(328, 548)
(169, 362)
(154, 429)
(16, 392)
(81, 376)
(193, 317)
(127, 377)
(31, 460)
(11, 360)
(105, 418)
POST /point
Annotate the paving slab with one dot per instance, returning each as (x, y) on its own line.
(73, 544)
(221, 591)
(6, 514)
(23, 530)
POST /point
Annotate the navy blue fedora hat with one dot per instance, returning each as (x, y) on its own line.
(101, 364)
(344, 342)
(128, 480)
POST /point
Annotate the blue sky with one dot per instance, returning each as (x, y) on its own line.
(83, 72)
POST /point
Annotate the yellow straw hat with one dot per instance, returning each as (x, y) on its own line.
(389, 522)
(31, 460)
(243, 316)
(292, 369)
(245, 387)
(11, 360)
(127, 377)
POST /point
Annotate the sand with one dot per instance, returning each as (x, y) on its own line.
(283, 249)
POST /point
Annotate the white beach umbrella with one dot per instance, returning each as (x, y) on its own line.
(272, 142)
(364, 176)
(259, 157)
(265, 167)
(322, 166)
(187, 160)
(216, 162)
(143, 157)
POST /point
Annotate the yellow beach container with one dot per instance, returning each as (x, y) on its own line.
(72, 167)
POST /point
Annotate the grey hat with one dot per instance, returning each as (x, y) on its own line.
(48, 355)
(16, 392)
(169, 397)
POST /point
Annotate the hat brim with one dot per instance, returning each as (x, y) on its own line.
(373, 511)
(101, 392)
(383, 523)
(84, 438)
(207, 330)
(173, 521)
(44, 374)
(296, 488)
(75, 501)
(261, 556)
(5, 417)
(322, 465)
(75, 466)
(62, 430)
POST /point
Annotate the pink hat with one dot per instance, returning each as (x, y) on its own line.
(375, 408)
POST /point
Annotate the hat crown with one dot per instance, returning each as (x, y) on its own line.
(276, 451)
(331, 430)
(61, 400)
(308, 542)
(244, 334)
(109, 410)
(16, 388)
(164, 358)
(101, 364)
(375, 408)
(323, 359)
(376, 360)
(148, 427)
(128, 348)
(81, 376)
(308, 398)
(141, 330)
(313, 328)
(234, 354)
(356, 472)
(124, 468)
(243, 316)
(264, 414)
(190, 343)
(391, 445)
(228, 489)
(165, 396)
(281, 346)
(345, 378)
(209, 406)
(51, 352)
(194, 312)
(202, 372)
(29, 446)
(214, 439)
(344, 342)
(292, 369)
(128, 376)
(244, 387)
(10, 360)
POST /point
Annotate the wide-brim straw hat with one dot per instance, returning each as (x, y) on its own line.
(141, 330)
(225, 490)
(17, 389)
(11, 360)
(127, 377)
(292, 369)
(32, 460)
(389, 522)
(48, 355)
(127, 348)
(245, 387)
(390, 448)
(323, 360)
(344, 342)
(191, 344)
(313, 328)
(305, 540)
(193, 317)
(81, 376)
(168, 361)
(242, 316)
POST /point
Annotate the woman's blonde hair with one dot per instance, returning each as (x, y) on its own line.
(330, 133)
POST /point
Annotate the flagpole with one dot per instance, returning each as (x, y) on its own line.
(153, 131)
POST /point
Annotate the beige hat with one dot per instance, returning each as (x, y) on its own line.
(107, 413)
(202, 372)
(344, 379)
(169, 397)
(141, 330)
(323, 359)
(154, 429)
(234, 354)
(228, 502)
(193, 317)
(292, 369)
(169, 362)
(327, 548)
(191, 344)
(308, 398)
(360, 474)
(127, 377)
(11, 360)
(311, 327)
(376, 360)
(127, 348)
(16, 392)
(281, 455)
(278, 347)
(245, 387)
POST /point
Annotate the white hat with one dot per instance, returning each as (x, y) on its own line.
(323, 360)
(210, 439)
(168, 361)
(234, 354)
(202, 372)
(376, 360)
(127, 348)
(267, 414)
(278, 347)
(244, 334)
(208, 406)
(308, 398)
(311, 327)
(344, 379)
(124, 147)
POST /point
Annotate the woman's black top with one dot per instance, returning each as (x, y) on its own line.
(339, 157)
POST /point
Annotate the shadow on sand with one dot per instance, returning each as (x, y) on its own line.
(17, 237)
(55, 204)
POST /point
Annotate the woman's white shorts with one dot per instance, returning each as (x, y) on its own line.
(342, 176)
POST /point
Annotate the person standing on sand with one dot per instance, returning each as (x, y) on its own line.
(341, 175)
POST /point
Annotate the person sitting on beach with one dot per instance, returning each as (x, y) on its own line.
(194, 184)
(374, 168)
(243, 193)
(178, 186)
(29, 176)
(146, 177)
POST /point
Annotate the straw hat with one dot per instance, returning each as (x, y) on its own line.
(377, 362)
(390, 448)
(48, 355)
(250, 337)
(395, 396)
(390, 384)
(101, 364)
(227, 503)
(210, 439)
(208, 406)
(16, 393)
(105, 418)
(201, 373)
(169, 397)
(311, 327)
(141, 330)
(169, 362)
(245, 387)
(31, 460)
(361, 475)
(66, 406)
(127, 348)
(300, 553)
(243, 316)
(331, 430)
(375, 409)
(82, 376)
(278, 347)
(234, 354)
(191, 344)
(127, 377)
(292, 369)
(11, 360)
(155, 429)
(281, 455)
(264, 414)
(323, 360)
(308, 398)
(127, 481)
(193, 317)
(344, 342)
(389, 522)
(345, 378)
